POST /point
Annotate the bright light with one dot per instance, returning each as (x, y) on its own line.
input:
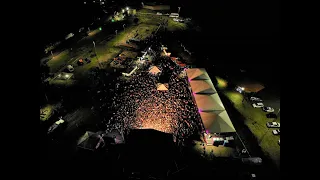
(112, 20)
(100, 28)
(123, 10)
(242, 88)
(127, 8)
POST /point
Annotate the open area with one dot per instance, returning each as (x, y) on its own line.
(139, 88)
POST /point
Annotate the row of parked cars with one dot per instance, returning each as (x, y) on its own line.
(80, 62)
(258, 103)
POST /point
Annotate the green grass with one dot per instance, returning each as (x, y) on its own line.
(47, 111)
(176, 26)
(222, 84)
(256, 121)
(58, 61)
(65, 83)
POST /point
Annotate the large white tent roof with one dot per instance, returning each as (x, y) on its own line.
(217, 122)
(208, 102)
(212, 111)
(202, 87)
(197, 74)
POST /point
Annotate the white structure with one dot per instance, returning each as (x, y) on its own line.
(154, 70)
(174, 15)
(162, 87)
(211, 109)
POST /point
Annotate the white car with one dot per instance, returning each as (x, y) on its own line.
(268, 109)
(257, 105)
(273, 124)
(276, 132)
(255, 99)
(178, 20)
(70, 68)
(159, 14)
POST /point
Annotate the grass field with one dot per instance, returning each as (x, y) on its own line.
(256, 121)
(108, 45)
(59, 61)
(176, 26)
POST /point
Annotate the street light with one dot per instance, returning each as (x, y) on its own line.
(127, 8)
(95, 50)
(122, 10)
(179, 9)
(124, 27)
(116, 32)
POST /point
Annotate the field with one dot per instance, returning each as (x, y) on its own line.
(255, 120)
(107, 45)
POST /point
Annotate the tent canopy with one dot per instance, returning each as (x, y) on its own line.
(89, 140)
(202, 87)
(197, 74)
(211, 109)
(207, 103)
(217, 122)
(162, 87)
(154, 70)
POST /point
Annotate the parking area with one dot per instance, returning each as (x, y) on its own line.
(255, 117)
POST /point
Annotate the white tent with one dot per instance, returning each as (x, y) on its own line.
(207, 103)
(217, 122)
(162, 87)
(90, 141)
(154, 70)
(197, 74)
(217, 99)
(211, 109)
(202, 87)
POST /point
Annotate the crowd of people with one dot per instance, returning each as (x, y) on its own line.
(141, 106)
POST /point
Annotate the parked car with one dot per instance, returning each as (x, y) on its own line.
(271, 115)
(87, 60)
(255, 99)
(58, 124)
(70, 68)
(80, 62)
(276, 132)
(252, 161)
(257, 105)
(273, 124)
(268, 109)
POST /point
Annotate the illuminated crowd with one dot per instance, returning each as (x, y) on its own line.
(142, 106)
